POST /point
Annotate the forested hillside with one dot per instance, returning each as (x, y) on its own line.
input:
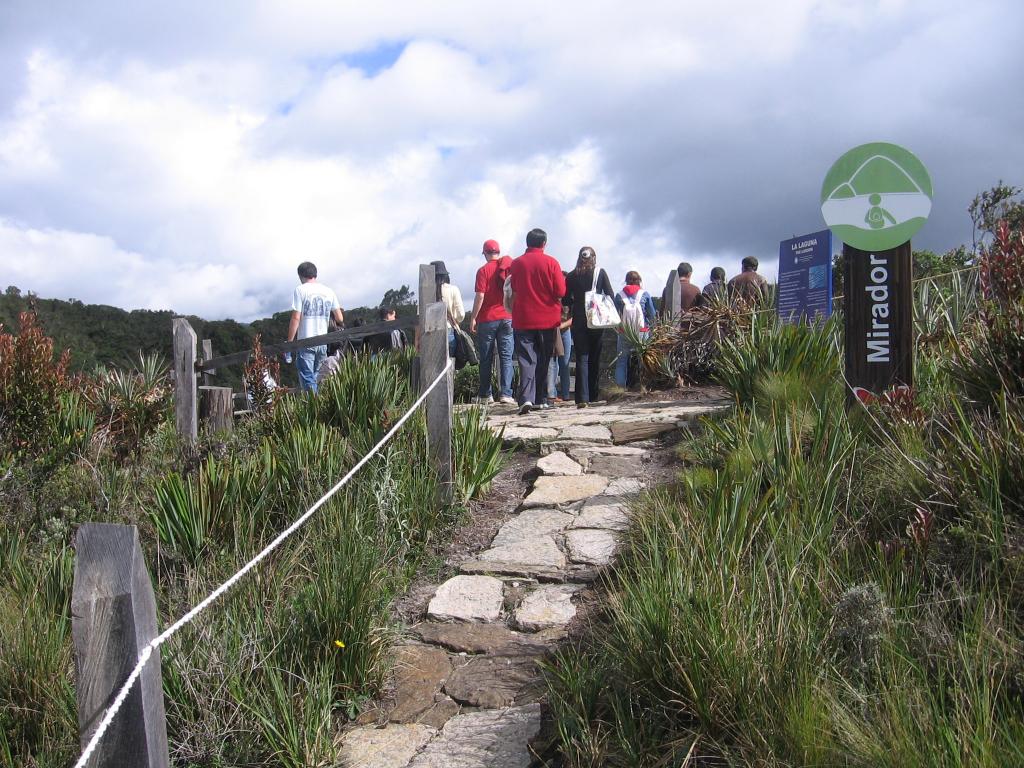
(97, 334)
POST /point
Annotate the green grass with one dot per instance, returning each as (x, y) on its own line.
(269, 674)
(818, 588)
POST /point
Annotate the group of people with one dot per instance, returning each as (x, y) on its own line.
(529, 307)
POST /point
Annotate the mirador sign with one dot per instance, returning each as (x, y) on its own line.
(874, 198)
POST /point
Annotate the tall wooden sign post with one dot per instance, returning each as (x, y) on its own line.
(874, 198)
(879, 319)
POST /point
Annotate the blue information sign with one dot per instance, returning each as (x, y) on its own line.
(805, 277)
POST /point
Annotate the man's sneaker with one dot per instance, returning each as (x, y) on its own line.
(582, 405)
(507, 400)
(525, 408)
(545, 406)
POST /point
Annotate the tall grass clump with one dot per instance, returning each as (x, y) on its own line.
(267, 675)
(822, 586)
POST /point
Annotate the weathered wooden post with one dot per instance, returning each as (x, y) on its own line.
(113, 617)
(185, 415)
(433, 360)
(673, 296)
(216, 409)
(208, 355)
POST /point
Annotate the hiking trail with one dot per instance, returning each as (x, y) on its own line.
(468, 690)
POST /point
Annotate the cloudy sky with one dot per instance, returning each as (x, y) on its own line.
(189, 155)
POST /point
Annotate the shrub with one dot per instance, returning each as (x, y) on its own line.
(478, 455)
(31, 382)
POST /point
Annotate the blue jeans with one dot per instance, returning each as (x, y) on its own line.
(487, 334)
(451, 343)
(308, 361)
(625, 349)
(560, 373)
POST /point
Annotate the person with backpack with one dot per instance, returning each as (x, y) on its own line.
(586, 279)
(492, 323)
(636, 308)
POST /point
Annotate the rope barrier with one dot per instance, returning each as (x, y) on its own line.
(160, 639)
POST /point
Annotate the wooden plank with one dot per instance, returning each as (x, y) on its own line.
(879, 318)
(352, 334)
(184, 364)
(113, 617)
(216, 409)
(672, 298)
(630, 431)
(433, 359)
(208, 373)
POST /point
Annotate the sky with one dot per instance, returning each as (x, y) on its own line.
(189, 155)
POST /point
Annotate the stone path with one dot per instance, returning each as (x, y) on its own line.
(468, 685)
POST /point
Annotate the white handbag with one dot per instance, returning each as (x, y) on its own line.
(601, 312)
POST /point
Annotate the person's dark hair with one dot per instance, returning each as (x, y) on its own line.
(749, 264)
(383, 312)
(440, 272)
(307, 270)
(718, 274)
(536, 238)
(633, 278)
(684, 269)
(586, 260)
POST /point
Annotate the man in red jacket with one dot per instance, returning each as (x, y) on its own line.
(537, 290)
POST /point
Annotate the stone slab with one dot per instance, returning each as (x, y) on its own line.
(546, 607)
(591, 545)
(614, 467)
(624, 486)
(528, 434)
(467, 598)
(419, 672)
(487, 739)
(530, 524)
(596, 514)
(491, 639)
(538, 551)
(443, 709)
(595, 433)
(552, 491)
(390, 747)
(558, 463)
(495, 681)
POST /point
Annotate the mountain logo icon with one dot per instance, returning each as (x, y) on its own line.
(876, 196)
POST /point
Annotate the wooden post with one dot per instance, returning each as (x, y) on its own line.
(672, 299)
(433, 359)
(216, 409)
(113, 617)
(208, 355)
(428, 291)
(185, 416)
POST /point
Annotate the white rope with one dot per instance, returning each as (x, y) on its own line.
(160, 639)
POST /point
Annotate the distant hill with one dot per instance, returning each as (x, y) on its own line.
(97, 334)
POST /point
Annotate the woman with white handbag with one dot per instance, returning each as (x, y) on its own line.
(589, 294)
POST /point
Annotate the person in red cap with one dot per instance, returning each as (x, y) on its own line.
(538, 286)
(492, 323)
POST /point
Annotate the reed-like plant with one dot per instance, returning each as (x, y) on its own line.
(477, 452)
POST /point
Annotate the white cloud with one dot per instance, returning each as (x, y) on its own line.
(190, 157)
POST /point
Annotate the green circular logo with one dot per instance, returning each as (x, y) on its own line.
(876, 196)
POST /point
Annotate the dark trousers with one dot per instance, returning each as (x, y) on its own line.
(586, 345)
(534, 349)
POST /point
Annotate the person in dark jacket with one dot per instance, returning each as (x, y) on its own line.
(748, 285)
(714, 291)
(586, 342)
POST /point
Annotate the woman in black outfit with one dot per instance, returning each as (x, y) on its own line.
(586, 342)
